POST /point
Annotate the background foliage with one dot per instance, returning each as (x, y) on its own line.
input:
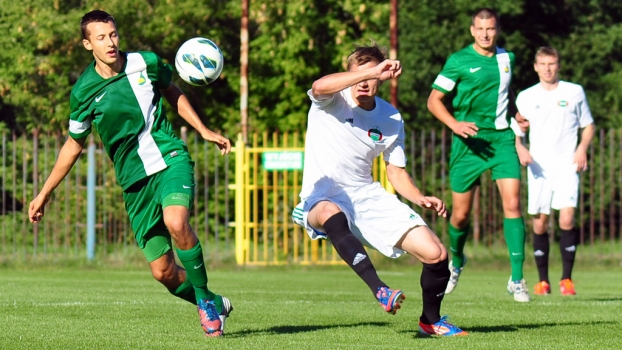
(294, 42)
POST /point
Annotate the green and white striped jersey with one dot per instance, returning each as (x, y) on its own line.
(482, 86)
(126, 110)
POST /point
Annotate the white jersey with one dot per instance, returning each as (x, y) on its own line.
(554, 120)
(343, 139)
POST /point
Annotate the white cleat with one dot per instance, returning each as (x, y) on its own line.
(519, 290)
(226, 310)
(453, 278)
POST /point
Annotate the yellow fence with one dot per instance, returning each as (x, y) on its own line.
(266, 194)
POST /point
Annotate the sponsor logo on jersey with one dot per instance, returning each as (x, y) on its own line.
(506, 69)
(350, 120)
(473, 70)
(141, 79)
(375, 134)
(562, 103)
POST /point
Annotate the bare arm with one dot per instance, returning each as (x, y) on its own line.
(332, 83)
(438, 109)
(182, 106)
(404, 185)
(67, 157)
(580, 155)
(523, 153)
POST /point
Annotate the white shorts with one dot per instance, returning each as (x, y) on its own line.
(377, 218)
(551, 189)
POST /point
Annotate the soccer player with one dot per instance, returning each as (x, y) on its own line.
(483, 140)
(349, 126)
(556, 110)
(120, 94)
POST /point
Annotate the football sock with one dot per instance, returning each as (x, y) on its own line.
(351, 250)
(568, 248)
(541, 253)
(185, 291)
(192, 260)
(434, 278)
(514, 232)
(457, 240)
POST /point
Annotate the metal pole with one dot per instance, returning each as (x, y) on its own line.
(244, 71)
(393, 50)
(90, 198)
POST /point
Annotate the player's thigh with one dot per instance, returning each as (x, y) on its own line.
(380, 219)
(146, 219)
(565, 191)
(465, 172)
(539, 193)
(423, 244)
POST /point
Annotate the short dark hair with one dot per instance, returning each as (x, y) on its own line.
(94, 16)
(365, 54)
(547, 51)
(485, 13)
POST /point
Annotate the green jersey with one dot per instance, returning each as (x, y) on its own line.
(127, 112)
(482, 86)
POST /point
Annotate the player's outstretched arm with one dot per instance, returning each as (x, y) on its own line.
(404, 185)
(67, 157)
(180, 103)
(333, 83)
(438, 109)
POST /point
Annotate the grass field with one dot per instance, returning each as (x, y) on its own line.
(298, 308)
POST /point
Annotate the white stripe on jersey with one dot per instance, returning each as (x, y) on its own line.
(445, 82)
(148, 150)
(76, 127)
(505, 76)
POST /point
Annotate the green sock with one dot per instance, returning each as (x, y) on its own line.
(514, 232)
(457, 240)
(193, 262)
(185, 291)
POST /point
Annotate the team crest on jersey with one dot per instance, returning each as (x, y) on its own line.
(375, 134)
(507, 69)
(350, 120)
(141, 79)
(562, 103)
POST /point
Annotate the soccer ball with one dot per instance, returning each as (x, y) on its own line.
(199, 61)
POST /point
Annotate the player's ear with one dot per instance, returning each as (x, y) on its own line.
(87, 44)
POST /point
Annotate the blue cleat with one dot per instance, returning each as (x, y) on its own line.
(210, 320)
(390, 300)
(441, 328)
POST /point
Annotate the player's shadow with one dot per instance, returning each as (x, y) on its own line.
(517, 327)
(292, 329)
(602, 299)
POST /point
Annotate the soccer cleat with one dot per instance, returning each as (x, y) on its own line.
(566, 287)
(542, 288)
(390, 300)
(441, 328)
(453, 278)
(226, 310)
(210, 320)
(519, 290)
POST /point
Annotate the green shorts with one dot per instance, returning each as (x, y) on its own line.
(145, 200)
(471, 157)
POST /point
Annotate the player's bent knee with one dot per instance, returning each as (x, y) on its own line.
(324, 211)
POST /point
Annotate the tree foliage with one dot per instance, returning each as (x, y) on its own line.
(294, 42)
